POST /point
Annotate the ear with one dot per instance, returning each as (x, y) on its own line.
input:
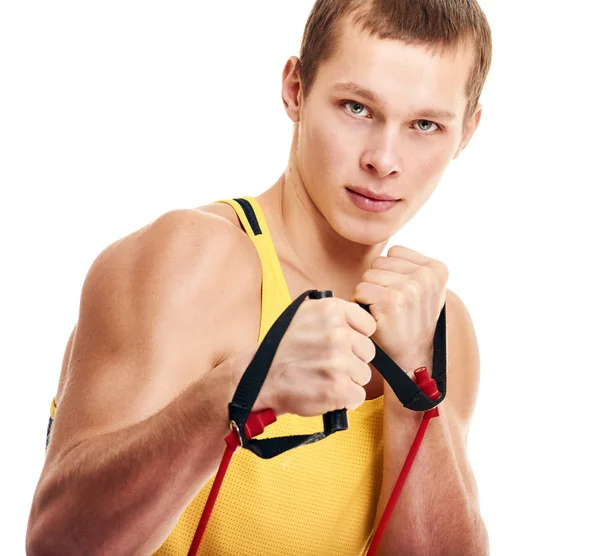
(469, 129)
(291, 89)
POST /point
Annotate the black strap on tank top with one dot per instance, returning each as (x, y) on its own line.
(48, 431)
(250, 215)
(409, 394)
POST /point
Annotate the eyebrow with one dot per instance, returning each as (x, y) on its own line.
(355, 88)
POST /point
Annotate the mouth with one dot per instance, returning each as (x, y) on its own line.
(364, 201)
(371, 194)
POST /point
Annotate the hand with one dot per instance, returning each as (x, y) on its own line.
(322, 362)
(406, 292)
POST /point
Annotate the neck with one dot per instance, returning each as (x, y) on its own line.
(307, 241)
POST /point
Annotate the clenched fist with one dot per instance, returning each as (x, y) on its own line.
(322, 362)
(405, 292)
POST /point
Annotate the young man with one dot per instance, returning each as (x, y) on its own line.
(384, 97)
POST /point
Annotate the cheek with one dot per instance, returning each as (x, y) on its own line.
(327, 147)
(429, 159)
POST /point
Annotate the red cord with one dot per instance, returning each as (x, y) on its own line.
(255, 425)
(429, 388)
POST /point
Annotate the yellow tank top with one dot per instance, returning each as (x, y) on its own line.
(319, 499)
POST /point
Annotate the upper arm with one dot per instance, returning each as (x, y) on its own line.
(462, 359)
(65, 366)
(146, 323)
(462, 384)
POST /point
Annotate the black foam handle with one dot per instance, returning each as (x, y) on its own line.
(337, 420)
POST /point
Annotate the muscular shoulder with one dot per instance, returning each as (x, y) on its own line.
(179, 248)
(185, 270)
(177, 245)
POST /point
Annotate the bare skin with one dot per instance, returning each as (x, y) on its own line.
(170, 319)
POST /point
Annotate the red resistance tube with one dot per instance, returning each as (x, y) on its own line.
(256, 424)
(429, 388)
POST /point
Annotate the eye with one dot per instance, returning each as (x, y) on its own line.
(426, 126)
(356, 108)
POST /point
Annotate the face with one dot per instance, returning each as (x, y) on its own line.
(382, 118)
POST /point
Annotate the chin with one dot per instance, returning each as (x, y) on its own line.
(353, 224)
(361, 231)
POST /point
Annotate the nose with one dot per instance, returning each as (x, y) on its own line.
(382, 155)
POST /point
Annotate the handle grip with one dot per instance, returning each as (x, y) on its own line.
(337, 420)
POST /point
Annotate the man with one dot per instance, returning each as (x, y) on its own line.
(385, 96)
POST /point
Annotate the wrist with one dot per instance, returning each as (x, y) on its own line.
(236, 366)
(409, 364)
(394, 409)
(265, 400)
(233, 368)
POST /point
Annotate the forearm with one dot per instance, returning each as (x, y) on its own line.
(122, 492)
(437, 513)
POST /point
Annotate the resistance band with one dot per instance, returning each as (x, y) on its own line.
(424, 395)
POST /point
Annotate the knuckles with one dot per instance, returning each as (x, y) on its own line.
(323, 313)
(433, 266)
(332, 375)
(338, 364)
(413, 290)
(330, 310)
(337, 339)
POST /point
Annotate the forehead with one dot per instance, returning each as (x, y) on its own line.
(402, 75)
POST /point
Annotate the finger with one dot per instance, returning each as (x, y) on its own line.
(355, 396)
(359, 319)
(369, 294)
(386, 278)
(360, 372)
(399, 251)
(394, 264)
(362, 346)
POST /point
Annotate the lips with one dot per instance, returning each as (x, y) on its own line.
(372, 194)
(369, 204)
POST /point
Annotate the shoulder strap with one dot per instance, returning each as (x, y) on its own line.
(276, 296)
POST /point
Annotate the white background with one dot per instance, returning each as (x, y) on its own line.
(112, 113)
